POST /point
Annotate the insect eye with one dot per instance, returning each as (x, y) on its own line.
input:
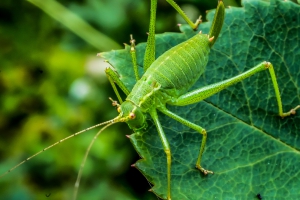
(131, 115)
(119, 109)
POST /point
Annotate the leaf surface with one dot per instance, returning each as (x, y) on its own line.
(250, 149)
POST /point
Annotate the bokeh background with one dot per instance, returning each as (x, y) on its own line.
(52, 85)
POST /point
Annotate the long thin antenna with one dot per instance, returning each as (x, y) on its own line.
(76, 186)
(56, 143)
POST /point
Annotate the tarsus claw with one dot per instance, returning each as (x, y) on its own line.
(204, 171)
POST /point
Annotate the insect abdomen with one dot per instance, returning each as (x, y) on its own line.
(180, 67)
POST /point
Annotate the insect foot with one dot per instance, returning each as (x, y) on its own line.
(282, 114)
(291, 112)
(198, 22)
(204, 171)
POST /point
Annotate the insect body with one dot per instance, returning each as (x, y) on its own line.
(167, 80)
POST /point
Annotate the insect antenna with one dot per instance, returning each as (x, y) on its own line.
(76, 186)
(60, 141)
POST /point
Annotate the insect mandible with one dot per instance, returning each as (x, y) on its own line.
(167, 81)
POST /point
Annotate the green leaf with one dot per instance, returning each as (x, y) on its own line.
(251, 150)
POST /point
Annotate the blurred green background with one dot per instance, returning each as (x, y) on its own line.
(52, 85)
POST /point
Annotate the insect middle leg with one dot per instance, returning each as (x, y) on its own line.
(207, 91)
(166, 147)
(196, 128)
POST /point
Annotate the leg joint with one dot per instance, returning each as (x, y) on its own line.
(132, 42)
(203, 132)
(168, 152)
(268, 65)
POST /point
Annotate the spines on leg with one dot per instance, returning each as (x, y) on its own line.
(150, 49)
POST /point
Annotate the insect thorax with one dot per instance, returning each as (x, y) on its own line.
(144, 93)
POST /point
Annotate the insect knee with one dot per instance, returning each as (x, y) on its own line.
(203, 132)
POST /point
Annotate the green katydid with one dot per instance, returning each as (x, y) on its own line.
(152, 91)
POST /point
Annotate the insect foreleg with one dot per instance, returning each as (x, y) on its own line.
(133, 57)
(207, 91)
(196, 128)
(114, 79)
(113, 76)
(166, 147)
